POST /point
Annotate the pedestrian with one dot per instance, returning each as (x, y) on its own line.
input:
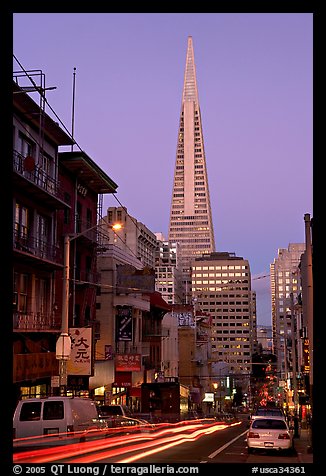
(296, 426)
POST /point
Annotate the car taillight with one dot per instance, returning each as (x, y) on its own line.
(283, 436)
(251, 434)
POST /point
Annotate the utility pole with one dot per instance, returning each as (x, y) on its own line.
(294, 357)
(63, 346)
(309, 299)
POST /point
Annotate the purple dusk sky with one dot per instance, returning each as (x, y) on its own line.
(254, 76)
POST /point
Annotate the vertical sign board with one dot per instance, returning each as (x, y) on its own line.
(123, 323)
(80, 362)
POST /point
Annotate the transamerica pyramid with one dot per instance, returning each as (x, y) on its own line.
(190, 214)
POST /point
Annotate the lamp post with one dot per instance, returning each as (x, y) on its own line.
(63, 345)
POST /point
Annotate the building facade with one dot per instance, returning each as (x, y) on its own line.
(168, 277)
(129, 310)
(195, 352)
(130, 235)
(190, 215)
(37, 255)
(221, 286)
(55, 195)
(285, 289)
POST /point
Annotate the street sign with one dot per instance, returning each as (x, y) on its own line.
(55, 381)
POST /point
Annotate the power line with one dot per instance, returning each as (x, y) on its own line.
(261, 277)
(76, 143)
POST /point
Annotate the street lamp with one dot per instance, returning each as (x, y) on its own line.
(63, 345)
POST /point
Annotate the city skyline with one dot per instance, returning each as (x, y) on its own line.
(254, 74)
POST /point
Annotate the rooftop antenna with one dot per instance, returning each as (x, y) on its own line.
(73, 106)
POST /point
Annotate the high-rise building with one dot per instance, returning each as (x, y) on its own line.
(285, 289)
(221, 286)
(190, 215)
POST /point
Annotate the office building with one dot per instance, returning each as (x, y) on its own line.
(190, 215)
(285, 290)
(221, 286)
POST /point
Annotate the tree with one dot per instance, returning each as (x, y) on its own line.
(258, 366)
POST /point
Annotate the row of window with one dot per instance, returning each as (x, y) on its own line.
(237, 331)
(232, 324)
(218, 289)
(199, 268)
(221, 281)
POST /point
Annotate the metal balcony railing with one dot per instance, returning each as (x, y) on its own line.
(36, 321)
(37, 176)
(36, 247)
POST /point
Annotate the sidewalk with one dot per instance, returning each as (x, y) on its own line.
(303, 446)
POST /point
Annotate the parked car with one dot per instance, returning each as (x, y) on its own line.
(269, 433)
(55, 416)
(115, 415)
(268, 412)
(114, 410)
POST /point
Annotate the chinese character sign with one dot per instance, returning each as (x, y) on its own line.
(80, 362)
(127, 362)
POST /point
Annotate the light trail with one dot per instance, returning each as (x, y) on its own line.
(180, 440)
(157, 445)
(45, 455)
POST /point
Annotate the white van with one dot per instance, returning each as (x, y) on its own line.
(54, 415)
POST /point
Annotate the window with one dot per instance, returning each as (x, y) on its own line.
(42, 293)
(26, 146)
(30, 411)
(53, 410)
(21, 221)
(42, 232)
(268, 424)
(21, 288)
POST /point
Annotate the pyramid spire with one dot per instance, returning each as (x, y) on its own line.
(190, 216)
(190, 92)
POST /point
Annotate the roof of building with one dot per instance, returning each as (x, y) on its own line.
(156, 300)
(88, 172)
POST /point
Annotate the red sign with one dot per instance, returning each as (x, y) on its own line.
(122, 379)
(127, 362)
